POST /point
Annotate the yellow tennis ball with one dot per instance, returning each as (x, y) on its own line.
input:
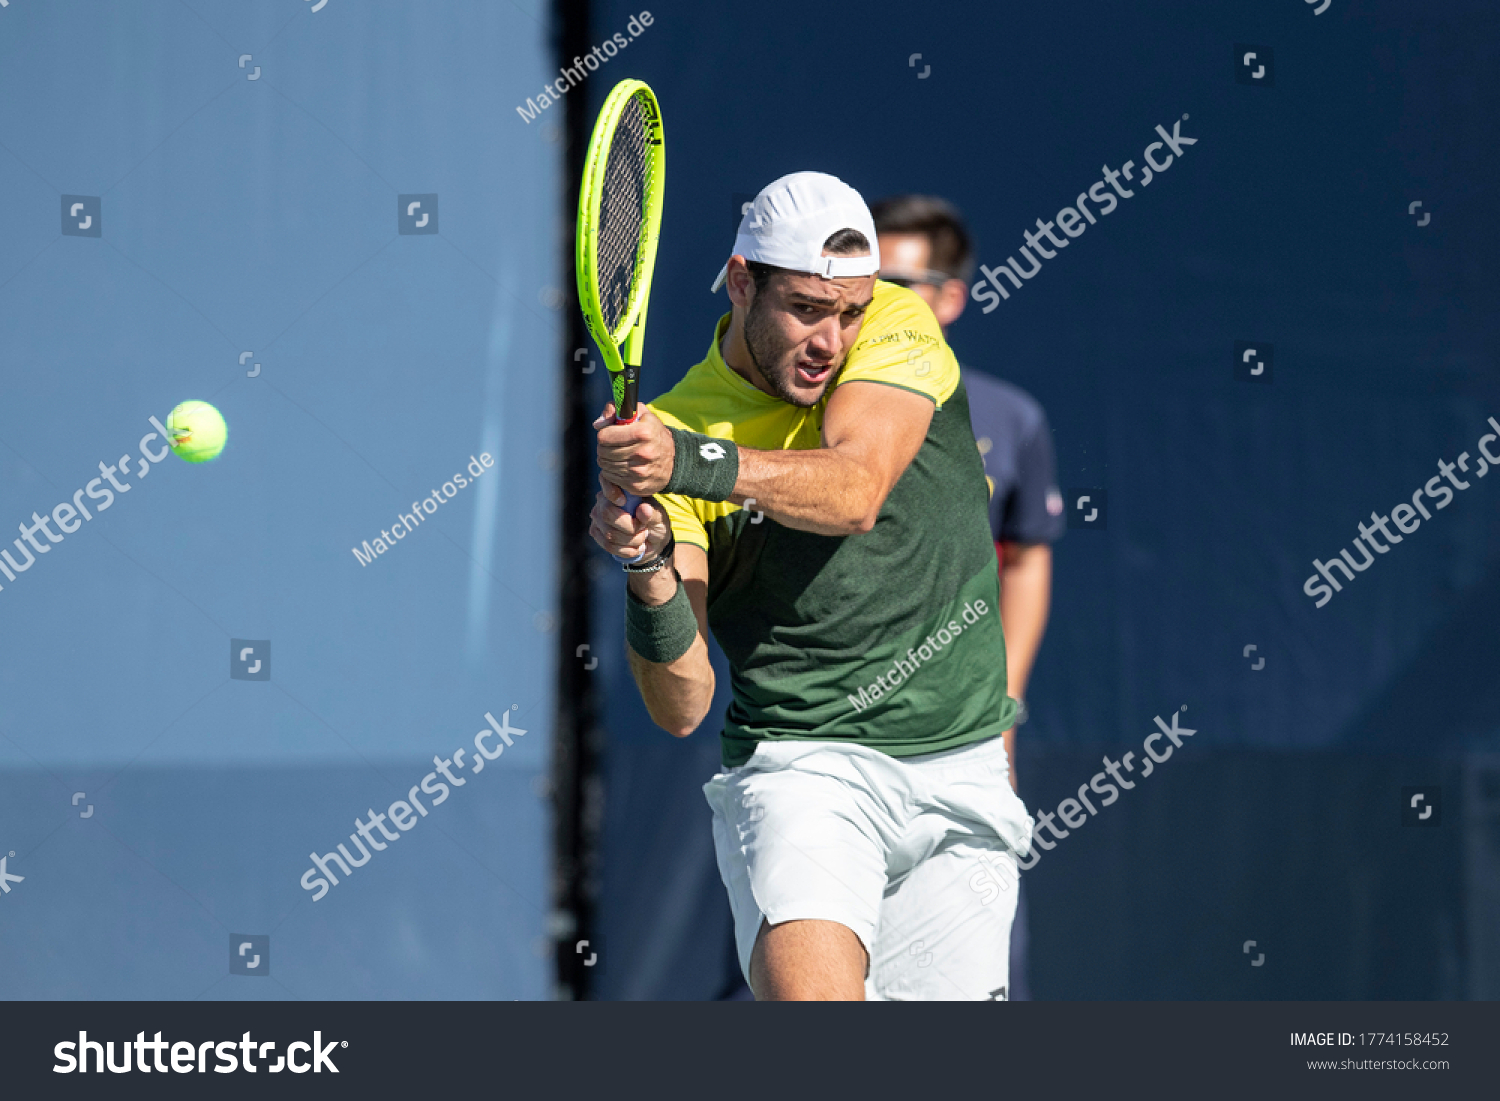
(198, 431)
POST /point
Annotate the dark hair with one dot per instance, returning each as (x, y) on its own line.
(846, 242)
(936, 219)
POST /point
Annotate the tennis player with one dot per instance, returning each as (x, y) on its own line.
(818, 501)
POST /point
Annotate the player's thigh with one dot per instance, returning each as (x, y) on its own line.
(795, 846)
(808, 960)
(944, 932)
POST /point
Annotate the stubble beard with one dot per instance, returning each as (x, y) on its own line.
(760, 331)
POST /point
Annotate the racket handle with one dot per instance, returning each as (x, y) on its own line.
(631, 500)
(629, 410)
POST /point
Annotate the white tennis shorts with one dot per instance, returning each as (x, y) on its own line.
(916, 855)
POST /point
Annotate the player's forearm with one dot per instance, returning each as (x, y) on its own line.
(677, 693)
(820, 490)
(1025, 595)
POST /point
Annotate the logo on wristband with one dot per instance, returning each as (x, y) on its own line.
(711, 450)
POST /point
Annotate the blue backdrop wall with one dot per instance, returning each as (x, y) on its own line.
(1289, 226)
(239, 227)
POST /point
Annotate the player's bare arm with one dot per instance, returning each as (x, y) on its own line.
(677, 693)
(871, 433)
(789, 337)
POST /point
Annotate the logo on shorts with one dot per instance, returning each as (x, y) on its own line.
(711, 450)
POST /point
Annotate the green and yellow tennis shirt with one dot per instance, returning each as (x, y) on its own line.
(890, 638)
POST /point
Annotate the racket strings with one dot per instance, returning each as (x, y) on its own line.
(622, 212)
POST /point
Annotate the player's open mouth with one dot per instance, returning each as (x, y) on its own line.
(812, 373)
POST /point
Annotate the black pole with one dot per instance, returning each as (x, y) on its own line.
(577, 789)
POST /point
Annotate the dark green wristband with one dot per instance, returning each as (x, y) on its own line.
(703, 467)
(662, 632)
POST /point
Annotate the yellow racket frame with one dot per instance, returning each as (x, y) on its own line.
(622, 348)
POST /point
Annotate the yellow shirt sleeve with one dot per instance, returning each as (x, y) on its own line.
(687, 525)
(901, 344)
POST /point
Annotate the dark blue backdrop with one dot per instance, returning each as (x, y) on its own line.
(1287, 223)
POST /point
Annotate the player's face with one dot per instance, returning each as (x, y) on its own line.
(800, 328)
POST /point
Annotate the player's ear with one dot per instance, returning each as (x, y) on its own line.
(739, 282)
(952, 297)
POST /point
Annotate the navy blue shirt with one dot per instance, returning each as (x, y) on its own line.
(1016, 442)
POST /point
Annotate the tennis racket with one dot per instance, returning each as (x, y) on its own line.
(619, 219)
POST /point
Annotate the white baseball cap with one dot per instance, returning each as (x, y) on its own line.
(792, 217)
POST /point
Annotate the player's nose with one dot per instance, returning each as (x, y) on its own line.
(826, 337)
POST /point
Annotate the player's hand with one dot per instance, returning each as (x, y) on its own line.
(622, 534)
(636, 457)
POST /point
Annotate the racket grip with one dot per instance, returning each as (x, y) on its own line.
(631, 501)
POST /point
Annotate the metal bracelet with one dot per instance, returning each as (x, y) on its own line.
(1021, 713)
(660, 562)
